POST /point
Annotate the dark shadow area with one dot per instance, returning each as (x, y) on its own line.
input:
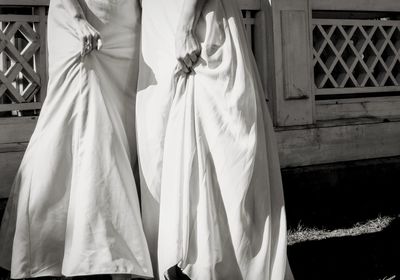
(365, 257)
(340, 195)
(5, 275)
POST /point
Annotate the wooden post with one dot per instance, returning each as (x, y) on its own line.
(3, 68)
(42, 55)
(291, 73)
(264, 52)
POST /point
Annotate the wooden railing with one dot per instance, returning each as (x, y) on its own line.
(23, 76)
(356, 64)
(360, 54)
(333, 60)
(333, 73)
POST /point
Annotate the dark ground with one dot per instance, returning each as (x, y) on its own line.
(333, 197)
(339, 196)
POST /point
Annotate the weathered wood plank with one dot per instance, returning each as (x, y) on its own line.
(262, 49)
(379, 107)
(318, 145)
(356, 5)
(249, 4)
(357, 22)
(20, 106)
(288, 112)
(9, 163)
(41, 58)
(13, 147)
(331, 91)
(25, 2)
(296, 56)
(22, 18)
(16, 130)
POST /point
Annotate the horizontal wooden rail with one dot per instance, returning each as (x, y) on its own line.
(21, 106)
(244, 4)
(250, 4)
(24, 2)
(357, 90)
(356, 5)
(353, 108)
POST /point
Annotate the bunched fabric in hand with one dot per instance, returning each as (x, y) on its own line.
(74, 209)
(210, 177)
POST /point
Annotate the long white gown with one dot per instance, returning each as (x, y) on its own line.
(210, 178)
(74, 207)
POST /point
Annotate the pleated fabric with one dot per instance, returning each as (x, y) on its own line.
(210, 177)
(74, 207)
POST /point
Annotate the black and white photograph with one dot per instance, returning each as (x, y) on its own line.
(200, 139)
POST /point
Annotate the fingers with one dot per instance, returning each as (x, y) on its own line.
(97, 43)
(188, 62)
(184, 67)
(194, 58)
(87, 45)
(187, 50)
(94, 42)
(91, 41)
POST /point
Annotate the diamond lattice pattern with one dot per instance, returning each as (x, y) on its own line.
(352, 53)
(19, 43)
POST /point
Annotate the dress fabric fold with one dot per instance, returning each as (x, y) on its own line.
(211, 186)
(74, 207)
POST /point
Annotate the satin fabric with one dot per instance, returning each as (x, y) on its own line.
(74, 208)
(210, 176)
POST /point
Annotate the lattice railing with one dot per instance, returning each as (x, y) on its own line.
(356, 56)
(22, 60)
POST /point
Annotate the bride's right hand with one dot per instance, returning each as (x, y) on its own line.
(89, 36)
(187, 49)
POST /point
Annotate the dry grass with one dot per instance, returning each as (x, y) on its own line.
(301, 233)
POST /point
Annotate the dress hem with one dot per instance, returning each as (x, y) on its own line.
(147, 276)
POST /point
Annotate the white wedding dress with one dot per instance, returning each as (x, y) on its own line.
(211, 186)
(74, 208)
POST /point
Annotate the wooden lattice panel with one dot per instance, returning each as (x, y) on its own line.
(22, 61)
(353, 56)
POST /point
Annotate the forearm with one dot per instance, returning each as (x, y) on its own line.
(190, 14)
(74, 9)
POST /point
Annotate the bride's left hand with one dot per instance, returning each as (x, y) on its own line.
(187, 49)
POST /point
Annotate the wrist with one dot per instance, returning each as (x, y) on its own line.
(186, 27)
(184, 31)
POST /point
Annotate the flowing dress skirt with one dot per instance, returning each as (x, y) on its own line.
(210, 177)
(74, 208)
